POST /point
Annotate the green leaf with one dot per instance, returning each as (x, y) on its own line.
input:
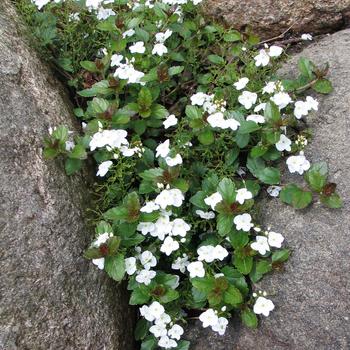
(139, 296)
(144, 101)
(175, 70)
(78, 152)
(206, 137)
(248, 127)
(305, 67)
(243, 264)
(60, 133)
(227, 190)
(183, 345)
(238, 239)
(204, 284)
(216, 59)
(233, 296)
(89, 66)
(270, 176)
(272, 113)
(316, 176)
(280, 255)
(193, 112)
(242, 140)
(260, 268)
(72, 165)
(232, 36)
(258, 151)
(99, 105)
(141, 329)
(92, 253)
(198, 200)
(333, 201)
(117, 213)
(115, 267)
(249, 318)
(323, 86)
(169, 296)
(296, 196)
(150, 343)
(50, 153)
(224, 224)
(231, 156)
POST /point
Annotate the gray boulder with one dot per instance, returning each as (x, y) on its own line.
(312, 294)
(51, 298)
(269, 18)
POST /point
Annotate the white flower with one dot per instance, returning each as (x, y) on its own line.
(216, 120)
(312, 103)
(269, 88)
(177, 197)
(112, 138)
(259, 119)
(163, 226)
(161, 37)
(145, 276)
(180, 228)
(247, 99)
(150, 207)
(262, 59)
(306, 36)
(138, 47)
(100, 263)
(69, 145)
(130, 265)
(281, 99)
(164, 199)
(164, 318)
(243, 222)
(169, 245)
(167, 343)
(103, 13)
(159, 49)
(40, 3)
(220, 326)
(220, 252)
(232, 124)
(128, 33)
(208, 318)
(263, 306)
(102, 238)
(301, 109)
(206, 253)
(196, 269)
(156, 310)
(103, 168)
(163, 149)
(170, 121)
(148, 260)
(284, 144)
(275, 51)
(128, 72)
(275, 239)
(177, 160)
(241, 83)
(146, 227)
(116, 60)
(180, 263)
(260, 107)
(198, 99)
(213, 200)
(205, 215)
(261, 245)
(158, 330)
(298, 164)
(175, 332)
(242, 195)
(145, 312)
(274, 191)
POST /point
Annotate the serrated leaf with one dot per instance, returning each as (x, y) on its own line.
(333, 201)
(175, 70)
(233, 296)
(249, 318)
(280, 255)
(323, 86)
(115, 266)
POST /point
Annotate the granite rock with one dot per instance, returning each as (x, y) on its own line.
(51, 298)
(312, 294)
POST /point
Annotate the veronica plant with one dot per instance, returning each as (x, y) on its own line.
(188, 123)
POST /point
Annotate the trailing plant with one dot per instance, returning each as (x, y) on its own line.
(188, 123)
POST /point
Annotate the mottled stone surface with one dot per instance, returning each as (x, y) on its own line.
(312, 295)
(51, 298)
(271, 17)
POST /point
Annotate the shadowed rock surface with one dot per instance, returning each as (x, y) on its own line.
(312, 294)
(269, 18)
(51, 298)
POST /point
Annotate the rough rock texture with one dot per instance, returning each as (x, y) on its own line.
(51, 298)
(312, 295)
(271, 17)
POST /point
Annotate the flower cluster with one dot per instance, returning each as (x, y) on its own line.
(187, 123)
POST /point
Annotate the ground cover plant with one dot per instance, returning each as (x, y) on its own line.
(188, 123)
